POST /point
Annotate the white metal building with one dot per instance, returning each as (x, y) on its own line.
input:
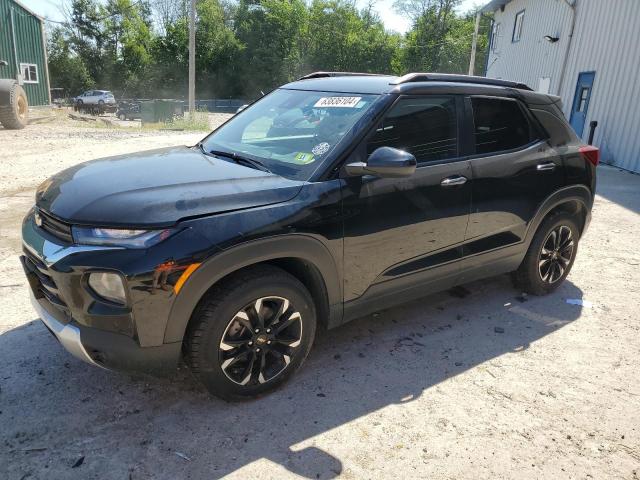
(585, 51)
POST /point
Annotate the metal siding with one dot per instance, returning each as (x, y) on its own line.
(606, 40)
(29, 49)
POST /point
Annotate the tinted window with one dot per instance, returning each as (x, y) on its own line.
(558, 130)
(499, 125)
(425, 127)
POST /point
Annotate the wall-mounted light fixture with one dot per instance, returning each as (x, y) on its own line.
(551, 39)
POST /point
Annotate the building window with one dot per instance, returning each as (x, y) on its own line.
(517, 27)
(29, 72)
(495, 35)
(584, 95)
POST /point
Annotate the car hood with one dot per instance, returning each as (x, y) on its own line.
(158, 188)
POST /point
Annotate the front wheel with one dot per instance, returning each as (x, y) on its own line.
(550, 256)
(251, 333)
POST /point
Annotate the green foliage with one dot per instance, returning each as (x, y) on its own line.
(65, 69)
(245, 47)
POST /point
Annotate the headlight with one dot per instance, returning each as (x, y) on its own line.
(109, 286)
(120, 237)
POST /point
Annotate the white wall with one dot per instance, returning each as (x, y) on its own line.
(606, 40)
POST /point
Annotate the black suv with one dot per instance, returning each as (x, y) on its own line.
(330, 198)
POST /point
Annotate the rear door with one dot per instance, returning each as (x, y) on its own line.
(581, 101)
(514, 171)
(396, 230)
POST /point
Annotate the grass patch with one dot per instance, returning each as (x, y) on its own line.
(197, 121)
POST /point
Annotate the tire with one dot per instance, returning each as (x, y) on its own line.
(227, 356)
(15, 116)
(542, 271)
(122, 116)
(79, 102)
(100, 102)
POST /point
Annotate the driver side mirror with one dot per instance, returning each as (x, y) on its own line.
(385, 162)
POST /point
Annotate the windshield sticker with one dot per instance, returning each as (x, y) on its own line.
(302, 158)
(321, 148)
(335, 102)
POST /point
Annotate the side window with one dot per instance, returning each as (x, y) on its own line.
(425, 127)
(499, 125)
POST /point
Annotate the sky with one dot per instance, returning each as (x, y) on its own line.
(50, 9)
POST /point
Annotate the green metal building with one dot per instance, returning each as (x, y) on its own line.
(23, 47)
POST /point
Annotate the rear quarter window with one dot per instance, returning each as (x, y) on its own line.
(557, 130)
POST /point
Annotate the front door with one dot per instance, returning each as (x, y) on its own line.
(581, 101)
(395, 228)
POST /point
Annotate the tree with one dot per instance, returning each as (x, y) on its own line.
(245, 47)
(271, 35)
(66, 70)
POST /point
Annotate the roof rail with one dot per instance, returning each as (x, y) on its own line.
(340, 74)
(448, 77)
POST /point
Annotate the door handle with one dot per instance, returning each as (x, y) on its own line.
(542, 167)
(453, 181)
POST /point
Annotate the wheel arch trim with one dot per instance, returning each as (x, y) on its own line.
(573, 193)
(303, 247)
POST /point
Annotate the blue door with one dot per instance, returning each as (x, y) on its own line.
(581, 101)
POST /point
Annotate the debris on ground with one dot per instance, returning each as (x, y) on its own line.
(580, 302)
(182, 455)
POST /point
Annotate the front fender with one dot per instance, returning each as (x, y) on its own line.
(304, 247)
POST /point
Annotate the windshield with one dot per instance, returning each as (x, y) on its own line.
(291, 131)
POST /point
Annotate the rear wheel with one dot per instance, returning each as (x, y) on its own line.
(550, 256)
(251, 333)
(15, 115)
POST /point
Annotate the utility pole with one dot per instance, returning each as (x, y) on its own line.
(192, 58)
(474, 44)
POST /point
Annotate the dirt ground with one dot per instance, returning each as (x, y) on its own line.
(491, 385)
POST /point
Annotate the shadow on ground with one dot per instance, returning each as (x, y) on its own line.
(56, 409)
(619, 186)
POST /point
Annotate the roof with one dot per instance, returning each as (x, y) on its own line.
(415, 84)
(494, 5)
(367, 83)
(28, 10)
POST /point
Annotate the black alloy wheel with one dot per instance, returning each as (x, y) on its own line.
(556, 254)
(251, 332)
(259, 341)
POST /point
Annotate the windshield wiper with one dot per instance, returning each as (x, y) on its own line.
(238, 159)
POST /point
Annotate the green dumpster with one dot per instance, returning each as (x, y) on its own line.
(159, 111)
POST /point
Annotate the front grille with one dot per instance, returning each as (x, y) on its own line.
(43, 285)
(55, 227)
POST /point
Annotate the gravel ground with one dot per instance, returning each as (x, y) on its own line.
(479, 382)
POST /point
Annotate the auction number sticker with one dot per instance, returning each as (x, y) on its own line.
(337, 102)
